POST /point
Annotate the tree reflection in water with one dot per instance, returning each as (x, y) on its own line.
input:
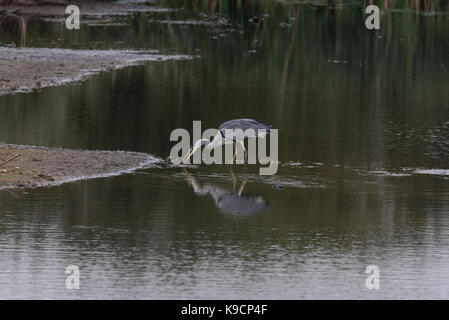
(16, 22)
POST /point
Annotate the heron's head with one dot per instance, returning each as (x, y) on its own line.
(195, 147)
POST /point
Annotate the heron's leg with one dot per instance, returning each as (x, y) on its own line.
(188, 175)
(242, 187)
(190, 180)
(234, 179)
(233, 158)
(246, 152)
(245, 160)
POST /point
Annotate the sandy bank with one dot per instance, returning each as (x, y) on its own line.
(26, 69)
(39, 166)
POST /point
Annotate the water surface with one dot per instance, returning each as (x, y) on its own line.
(363, 144)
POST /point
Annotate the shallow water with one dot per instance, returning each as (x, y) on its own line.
(363, 176)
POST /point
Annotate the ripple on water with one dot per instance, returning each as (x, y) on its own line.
(400, 172)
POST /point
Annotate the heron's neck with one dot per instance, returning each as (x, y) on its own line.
(205, 142)
(199, 143)
(218, 139)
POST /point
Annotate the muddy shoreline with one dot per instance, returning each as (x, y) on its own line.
(44, 167)
(31, 69)
(28, 69)
(25, 69)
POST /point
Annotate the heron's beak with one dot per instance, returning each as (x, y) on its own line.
(188, 156)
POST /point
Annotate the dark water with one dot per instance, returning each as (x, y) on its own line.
(363, 148)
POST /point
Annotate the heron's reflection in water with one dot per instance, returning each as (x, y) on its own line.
(230, 201)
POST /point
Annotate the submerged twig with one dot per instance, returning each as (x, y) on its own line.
(15, 195)
(10, 159)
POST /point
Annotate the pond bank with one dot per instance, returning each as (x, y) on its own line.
(31, 69)
(28, 69)
(44, 167)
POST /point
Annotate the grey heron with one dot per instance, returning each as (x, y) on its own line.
(233, 132)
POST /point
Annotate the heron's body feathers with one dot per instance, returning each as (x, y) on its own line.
(259, 129)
